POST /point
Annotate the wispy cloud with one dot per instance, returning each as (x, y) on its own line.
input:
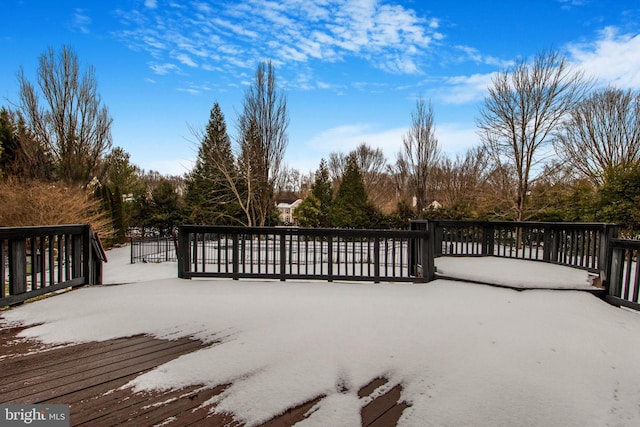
(162, 69)
(347, 137)
(465, 89)
(613, 58)
(228, 35)
(81, 21)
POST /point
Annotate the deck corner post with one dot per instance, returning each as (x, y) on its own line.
(428, 253)
(87, 256)
(607, 233)
(183, 252)
(613, 282)
(436, 237)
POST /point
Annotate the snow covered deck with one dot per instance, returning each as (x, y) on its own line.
(92, 378)
(450, 352)
(515, 273)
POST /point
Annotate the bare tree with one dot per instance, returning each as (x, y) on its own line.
(337, 165)
(602, 133)
(524, 106)
(459, 182)
(262, 129)
(419, 156)
(71, 123)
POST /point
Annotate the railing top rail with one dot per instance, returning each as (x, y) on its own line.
(527, 224)
(24, 232)
(301, 231)
(625, 243)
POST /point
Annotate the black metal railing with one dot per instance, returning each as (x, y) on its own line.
(38, 260)
(153, 249)
(580, 245)
(304, 253)
(624, 273)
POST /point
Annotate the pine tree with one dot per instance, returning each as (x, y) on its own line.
(323, 192)
(350, 207)
(209, 198)
(165, 209)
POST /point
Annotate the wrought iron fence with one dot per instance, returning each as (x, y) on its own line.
(153, 249)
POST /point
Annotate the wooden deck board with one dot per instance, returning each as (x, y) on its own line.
(91, 378)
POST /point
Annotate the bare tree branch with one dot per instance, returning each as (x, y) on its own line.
(602, 133)
(524, 106)
(72, 123)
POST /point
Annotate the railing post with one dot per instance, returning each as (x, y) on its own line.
(412, 252)
(435, 237)
(428, 255)
(613, 283)
(17, 266)
(87, 256)
(235, 256)
(607, 232)
(183, 253)
(76, 254)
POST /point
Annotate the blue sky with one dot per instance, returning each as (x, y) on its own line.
(351, 69)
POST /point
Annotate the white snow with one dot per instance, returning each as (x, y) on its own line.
(515, 273)
(465, 354)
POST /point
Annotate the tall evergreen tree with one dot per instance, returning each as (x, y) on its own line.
(323, 191)
(314, 211)
(350, 207)
(209, 197)
(21, 155)
(165, 208)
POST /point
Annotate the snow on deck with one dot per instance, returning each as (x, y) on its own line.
(465, 354)
(514, 273)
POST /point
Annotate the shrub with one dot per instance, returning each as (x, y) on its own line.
(32, 203)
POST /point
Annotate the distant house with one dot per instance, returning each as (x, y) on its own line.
(286, 208)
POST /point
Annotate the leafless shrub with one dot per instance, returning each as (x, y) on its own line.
(32, 203)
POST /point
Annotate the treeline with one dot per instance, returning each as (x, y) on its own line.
(552, 148)
(58, 164)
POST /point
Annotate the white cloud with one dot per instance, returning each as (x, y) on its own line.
(345, 138)
(163, 69)
(81, 21)
(186, 60)
(456, 138)
(614, 58)
(391, 37)
(466, 89)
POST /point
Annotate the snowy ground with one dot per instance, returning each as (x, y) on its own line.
(466, 355)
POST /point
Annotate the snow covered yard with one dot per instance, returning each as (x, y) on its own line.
(465, 354)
